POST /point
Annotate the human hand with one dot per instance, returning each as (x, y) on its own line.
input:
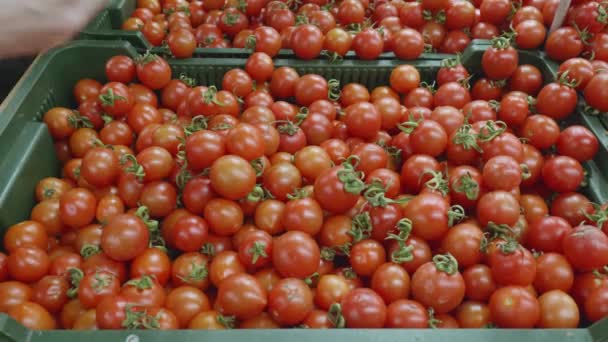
(30, 27)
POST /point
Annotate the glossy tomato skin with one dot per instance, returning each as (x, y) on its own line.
(295, 248)
(514, 307)
(363, 308)
(307, 41)
(330, 192)
(290, 301)
(435, 288)
(586, 248)
(241, 295)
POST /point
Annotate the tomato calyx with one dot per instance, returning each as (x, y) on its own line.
(588, 110)
(142, 283)
(184, 9)
(288, 127)
(257, 251)
(250, 42)
(433, 322)
(258, 194)
(258, 166)
(437, 183)
(508, 246)
(311, 279)
(502, 42)
(361, 227)
(583, 34)
(328, 254)
(334, 91)
(189, 81)
(101, 281)
(139, 319)
(438, 17)
(410, 125)
(197, 123)
(210, 96)
(491, 130)
(599, 216)
(393, 152)
(135, 168)
(89, 250)
(563, 79)
(351, 179)
(453, 62)
(525, 171)
(109, 98)
(375, 192)
(198, 272)
(456, 214)
(466, 138)
(299, 193)
(75, 275)
(335, 317)
(301, 19)
(230, 19)
(146, 58)
(495, 232)
(349, 273)
(229, 322)
(404, 253)
(467, 185)
(446, 263)
(332, 56)
(76, 120)
(208, 249)
(598, 273)
(144, 214)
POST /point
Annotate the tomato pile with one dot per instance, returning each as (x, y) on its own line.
(288, 200)
(314, 27)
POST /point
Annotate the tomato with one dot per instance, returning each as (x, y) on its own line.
(562, 168)
(512, 264)
(553, 272)
(499, 207)
(116, 99)
(186, 302)
(256, 249)
(558, 310)
(87, 89)
(391, 282)
(242, 296)
(181, 43)
(351, 12)
(337, 41)
(153, 262)
(577, 142)
(596, 305)
(462, 241)
(25, 234)
(232, 177)
(331, 289)
(452, 94)
(439, 284)
(526, 78)
(366, 256)
(363, 308)
(501, 173)
(405, 313)
(530, 34)
(290, 301)
(430, 214)
(95, 286)
(120, 69)
(415, 172)
(295, 248)
(514, 307)
(32, 316)
(144, 292)
(472, 314)
(586, 248)
(116, 133)
(310, 88)
(501, 60)
(209, 320)
(564, 43)
(428, 138)
(307, 41)
(51, 293)
(594, 92)
(368, 44)
(28, 264)
(571, 206)
(408, 44)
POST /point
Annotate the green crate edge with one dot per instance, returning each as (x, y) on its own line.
(105, 26)
(19, 160)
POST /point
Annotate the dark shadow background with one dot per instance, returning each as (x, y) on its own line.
(10, 71)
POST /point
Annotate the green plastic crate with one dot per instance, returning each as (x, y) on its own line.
(106, 26)
(28, 156)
